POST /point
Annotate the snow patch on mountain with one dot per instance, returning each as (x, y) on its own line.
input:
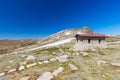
(68, 33)
(52, 44)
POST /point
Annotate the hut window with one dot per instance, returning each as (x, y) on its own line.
(99, 40)
(89, 41)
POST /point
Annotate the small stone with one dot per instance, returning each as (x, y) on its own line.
(25, 78)
(53, 53)
(103, 76)
(84, 54)
(30, 58)
(21, 68)
(56, 72)
(23, 63)
(52, 59)
(12, 70)
(46, 76)
(99, 62)
(11, 61)
(2, 74)
(23, 55)
(40, 63)
(73, 67)
(77, 54)
(62, 58)
(115, 64)
(46, 62)
(31, 65)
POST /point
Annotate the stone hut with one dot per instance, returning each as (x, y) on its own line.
(90, 41)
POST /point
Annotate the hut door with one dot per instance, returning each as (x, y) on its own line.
(99, 40)
(89, 41)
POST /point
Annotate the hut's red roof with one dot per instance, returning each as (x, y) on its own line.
(92, 35)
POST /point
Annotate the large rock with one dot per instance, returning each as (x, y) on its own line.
(62, 58)
(56, 72)
(72, 67)
(115, 64)
(25, 78)
(46, 76)
(30, 58)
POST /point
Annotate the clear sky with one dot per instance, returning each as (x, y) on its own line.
(40, 18)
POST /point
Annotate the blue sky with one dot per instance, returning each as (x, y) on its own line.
(39, 18)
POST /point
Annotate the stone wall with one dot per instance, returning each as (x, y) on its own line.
(84, 45)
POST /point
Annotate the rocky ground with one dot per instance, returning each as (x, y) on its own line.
(59, 62)
(53, 58)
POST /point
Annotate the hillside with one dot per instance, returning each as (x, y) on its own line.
(52, 58)
(7, 46)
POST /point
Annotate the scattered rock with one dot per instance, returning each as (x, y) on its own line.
(52, 59)
(46, 76)
(8, 67)
(25, 78)
(53, 53)
(62, 58)
(21, 68)
(115, 64)
(84, 54)
(43, 57)
(56, 72)
(2, 74)
(70, 57)
(23, 55)
(30, 58)
(11, 61)
(77, 54)
(99, 62)
(40, 63)
(61, 50)
(73, 67)
(23, 63)
(12, 70)
(31, 65)
(46, 62)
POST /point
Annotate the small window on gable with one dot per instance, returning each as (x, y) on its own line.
(88, 41)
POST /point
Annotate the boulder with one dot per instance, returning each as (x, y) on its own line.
(72, 67)
(56, 72)
(46, 76)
